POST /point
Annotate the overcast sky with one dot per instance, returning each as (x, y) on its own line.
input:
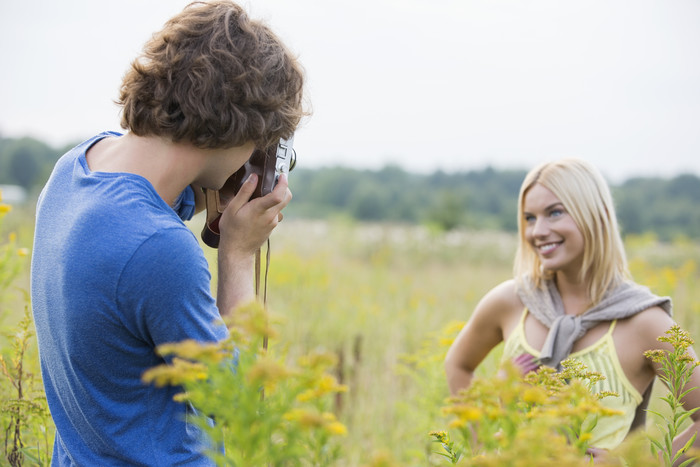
(426, 84)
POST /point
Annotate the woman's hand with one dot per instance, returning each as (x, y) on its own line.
(526, 363)
(597, 455)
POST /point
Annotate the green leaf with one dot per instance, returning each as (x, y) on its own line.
(657, 445)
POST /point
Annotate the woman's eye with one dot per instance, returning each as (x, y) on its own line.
(529, 218)
(556, 212)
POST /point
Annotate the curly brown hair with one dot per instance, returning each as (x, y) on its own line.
(213, 78)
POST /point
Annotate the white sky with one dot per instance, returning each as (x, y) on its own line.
(427, 84)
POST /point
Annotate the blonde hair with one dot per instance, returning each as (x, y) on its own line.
(586, 197)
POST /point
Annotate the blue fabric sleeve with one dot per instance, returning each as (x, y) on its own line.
(166, 286)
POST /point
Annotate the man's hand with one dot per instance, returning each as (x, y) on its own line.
(244, 225)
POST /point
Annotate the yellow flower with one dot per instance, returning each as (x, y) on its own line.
(22, 251)
(311, 419)
(440, 436)
(318, 361)
(464, 412)
(305, 418)
(494, 413)
(534, 395)
(656, 355)
(179, 372)
(5, 208)
(268, 372)
(457, 423)
(193, 350)
(326, 384)
(336, 428)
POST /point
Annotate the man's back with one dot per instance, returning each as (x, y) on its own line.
(115, 273)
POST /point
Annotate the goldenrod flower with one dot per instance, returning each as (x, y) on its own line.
(656, 355)
(268, 372)
(179, 372)
(194, 350)
(336, 428)
(457, 423)
(467, 413)
(304, 417)
(326, 384)
(440, 436)
(318, 361)
(534, 395)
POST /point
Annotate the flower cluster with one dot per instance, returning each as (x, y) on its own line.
(265, 409)
(505, 419)
(676, 366)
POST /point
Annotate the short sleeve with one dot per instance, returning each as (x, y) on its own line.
(164, 291)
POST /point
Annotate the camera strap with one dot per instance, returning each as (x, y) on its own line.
(258, 273)
(258, 260)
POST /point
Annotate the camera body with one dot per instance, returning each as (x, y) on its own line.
(268, 164)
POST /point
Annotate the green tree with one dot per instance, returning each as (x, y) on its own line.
(26, 162)
(24, 167)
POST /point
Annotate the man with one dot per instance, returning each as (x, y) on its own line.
(115, 272)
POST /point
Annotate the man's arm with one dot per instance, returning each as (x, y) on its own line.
(244, 226)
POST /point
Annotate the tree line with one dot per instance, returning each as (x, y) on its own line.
(482, 199)
(477, 199)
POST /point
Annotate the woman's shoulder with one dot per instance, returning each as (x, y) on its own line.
(503, 297)
(647, 326)
(652, 317)
(506, 289)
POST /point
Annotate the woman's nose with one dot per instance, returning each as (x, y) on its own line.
(540, 228)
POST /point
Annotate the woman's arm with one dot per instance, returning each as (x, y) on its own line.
(483, 332)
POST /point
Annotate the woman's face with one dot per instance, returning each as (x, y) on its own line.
(552, 232)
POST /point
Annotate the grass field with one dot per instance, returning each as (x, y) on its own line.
(387, 299)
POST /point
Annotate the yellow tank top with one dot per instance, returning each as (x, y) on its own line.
(601, 357)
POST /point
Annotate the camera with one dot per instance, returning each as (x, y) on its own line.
(268, 164)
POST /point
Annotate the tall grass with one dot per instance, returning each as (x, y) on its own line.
(24, 416)
(387, 300)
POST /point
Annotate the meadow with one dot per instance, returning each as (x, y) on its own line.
(385, 300)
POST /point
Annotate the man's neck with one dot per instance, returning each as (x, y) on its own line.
(169, 167)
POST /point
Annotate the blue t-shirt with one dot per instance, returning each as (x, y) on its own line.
(115, 273)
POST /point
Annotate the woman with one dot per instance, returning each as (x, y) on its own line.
(572, 296)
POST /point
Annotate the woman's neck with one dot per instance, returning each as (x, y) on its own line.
(574, 294)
